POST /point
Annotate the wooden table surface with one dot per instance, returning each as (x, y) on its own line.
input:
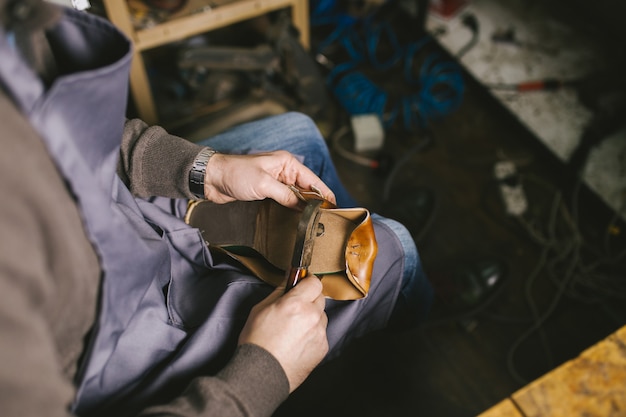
(591, 385)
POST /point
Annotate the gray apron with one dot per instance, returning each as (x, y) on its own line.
(168, 310)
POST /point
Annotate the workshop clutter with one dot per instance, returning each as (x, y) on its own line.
(260, 62)
(359, 50)
(447, 9)
(279, 65)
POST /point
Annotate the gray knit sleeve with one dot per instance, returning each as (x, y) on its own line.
(154, 162)
(253, 384)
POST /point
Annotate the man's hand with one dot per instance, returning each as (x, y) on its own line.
(259, 176)
(292, 327)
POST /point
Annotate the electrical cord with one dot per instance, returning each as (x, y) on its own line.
(417, 147)
(357, 94)
(382, 162)
(439, 82)
(588, 278)
(351, 156)
(562, 261)
(470, 21)
(372, 46)
(537, 317)
(440, 87)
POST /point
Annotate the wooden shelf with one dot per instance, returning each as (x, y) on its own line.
(194, 19)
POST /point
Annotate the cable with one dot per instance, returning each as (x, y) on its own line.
(418, 147)
(539, 319)
(562, 261)
(588, 278)
(470, 21)
(354, 157)
(357, 94)
(327, 13)
(373, 41)
(570, 262)
(439, 82)
(440, 87)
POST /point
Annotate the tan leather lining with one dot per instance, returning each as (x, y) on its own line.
(343, 254)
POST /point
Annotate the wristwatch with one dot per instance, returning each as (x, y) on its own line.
(198, 172)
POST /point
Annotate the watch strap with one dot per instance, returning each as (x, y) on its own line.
(198, 172)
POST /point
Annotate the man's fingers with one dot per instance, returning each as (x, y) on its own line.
(323, 190)
(295, 173)
(309, 181)
(259, 176)
(309, 288)
(282, 194)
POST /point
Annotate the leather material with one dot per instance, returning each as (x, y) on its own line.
(361, 251)
(343, 254)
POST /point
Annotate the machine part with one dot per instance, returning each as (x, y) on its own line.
(260, 58)
(77, 4)
(280, 65)
(222, 85)
(247, 110)
(300, 72)
(511, 188)
(368, 132)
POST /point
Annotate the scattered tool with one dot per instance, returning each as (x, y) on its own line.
(546, 84)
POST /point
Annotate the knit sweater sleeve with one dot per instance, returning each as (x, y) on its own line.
(154, 162)
(252, 384)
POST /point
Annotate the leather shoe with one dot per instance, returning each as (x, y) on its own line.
(261, 235)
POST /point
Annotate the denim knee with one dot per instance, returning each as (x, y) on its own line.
(305, 137)
(416, 293)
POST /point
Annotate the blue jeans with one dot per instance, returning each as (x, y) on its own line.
(298, 134)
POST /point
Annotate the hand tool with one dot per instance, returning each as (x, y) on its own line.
(305, 240)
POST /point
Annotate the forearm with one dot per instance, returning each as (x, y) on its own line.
(252, 384)
(155, 163)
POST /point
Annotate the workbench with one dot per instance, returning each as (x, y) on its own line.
(591, 385)
(543, 47)
(196, 17)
